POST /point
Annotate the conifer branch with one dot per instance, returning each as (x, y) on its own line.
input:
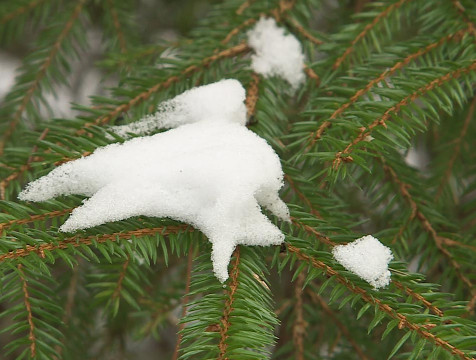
(312, 75)
(244, 6)
(299, 327)
(456, 149)
(68, 309)
(344, 155)
(366, 29)
(225, 320)
(319, 300)
(185, 299)
(419, 298)
(252, 94)
(387, 309)
(387, 73)
(301, 196)
(20, 11)
(117, 26)
(462, 13)
(438, 240)
(34, 218)
(76, 241)
(230, 52)
(300, 29)
(122, 275)
(26, 299)
(41, 74)
(4, 183)
(326, 240)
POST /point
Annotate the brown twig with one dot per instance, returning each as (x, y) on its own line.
(312, 74)
(300, 29)
(343, 329)
(366, 29)
(299, 327)
(76, 241)
(389, 72)
(244, 6)
(117, 26)
(311, 231)
(34, 218)
(19, 11)
(184, 300)
(438, 240)
(252, 94)
(456, 148)
(462, 12)
(6, 181)
(225, 320)
(301, 196)
(387, 309)
(68, 309)
(418, 297)
(41, 74)
(343, 156)
(122, 275)
(26, 297)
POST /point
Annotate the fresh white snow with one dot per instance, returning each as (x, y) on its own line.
(367, 258)
(209, 171)
(276, 54)
(222, 101)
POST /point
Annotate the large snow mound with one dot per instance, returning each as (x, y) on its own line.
(210, 172)
(366, 257)
(276, 54)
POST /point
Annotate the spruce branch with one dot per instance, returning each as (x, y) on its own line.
(20, 11)
(26, 299)
(77, 241)
(228, 309)
(381, 78)
(319, 300)
(4, 182)
(299, 326)
(366, 29)
(387, 309)
(344, 155)
(456, 149)
(117, 26)
(117, 291)
(42, 72)
(185, 299)
(427, 226)
(143, 96)
(462, 13)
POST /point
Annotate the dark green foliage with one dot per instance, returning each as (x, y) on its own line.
(383, 82)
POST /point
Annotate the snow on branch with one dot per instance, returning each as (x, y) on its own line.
(276, 54)
(209, 171)
(367, 258)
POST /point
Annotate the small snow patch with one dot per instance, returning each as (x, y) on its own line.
(276, 54)
(367, 258)
(210, 171)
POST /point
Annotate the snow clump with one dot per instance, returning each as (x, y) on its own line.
(218, 102)
(209, 171)
(276, 54)
(367, 258)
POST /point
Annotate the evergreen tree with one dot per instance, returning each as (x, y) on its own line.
(384, 80)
